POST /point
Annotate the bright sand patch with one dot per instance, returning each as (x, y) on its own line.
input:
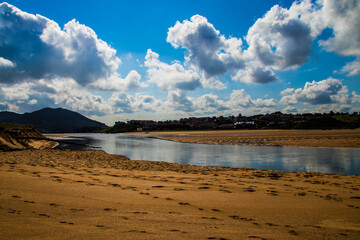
(53, 194)
(307, 138)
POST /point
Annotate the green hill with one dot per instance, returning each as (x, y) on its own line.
(49, 120)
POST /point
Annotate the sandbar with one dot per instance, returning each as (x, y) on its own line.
(305, 138)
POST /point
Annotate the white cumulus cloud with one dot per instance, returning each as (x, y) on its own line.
(167, 76)
(211, 103)
(179, 101)
(351, 68)
(280, 39)
(65, 93)
(36, 47)
(115, 83)
(122, 103)
(255, 74)
(208, 51)
(239, 98)
(326, 91)
(6, 63)
(344, 19)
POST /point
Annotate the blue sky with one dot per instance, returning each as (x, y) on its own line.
(120, 60)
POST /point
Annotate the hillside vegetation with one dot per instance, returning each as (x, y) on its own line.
(276, 120)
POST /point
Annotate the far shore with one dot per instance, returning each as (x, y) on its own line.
(307, 138)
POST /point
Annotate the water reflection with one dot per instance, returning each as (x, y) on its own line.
(141, 147)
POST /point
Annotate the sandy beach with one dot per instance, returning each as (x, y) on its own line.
(54, 194)
(306, 138)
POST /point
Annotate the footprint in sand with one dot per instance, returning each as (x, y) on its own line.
(272, 192)
(303, 194)
(331, 197)
(355, 197)
(57, 179)
(241, 218)
(257, 237)
(114, 184)
(110, 209)
(271, 224)
(211, 218)
(249, 189)
(137, 231)
(175, 213)
(313, 226)
(225, 191)
(101, 226)
(65, 222)
(77, 209)
(143, 193)
(292, 232)
(13, 211)
(43, 215)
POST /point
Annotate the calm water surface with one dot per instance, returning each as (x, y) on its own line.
(145, 147)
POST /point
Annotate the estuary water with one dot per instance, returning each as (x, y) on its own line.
(147, 147)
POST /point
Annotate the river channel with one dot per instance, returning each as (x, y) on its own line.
(286, 158)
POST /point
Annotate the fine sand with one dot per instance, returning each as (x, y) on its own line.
(54, 194)
(306, 138)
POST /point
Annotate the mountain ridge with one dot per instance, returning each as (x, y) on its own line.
(53, 120)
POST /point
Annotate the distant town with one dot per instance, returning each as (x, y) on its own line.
(276, 120)
(59, 120)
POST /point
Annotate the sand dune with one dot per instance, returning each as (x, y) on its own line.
(53, 194)
(17, 137)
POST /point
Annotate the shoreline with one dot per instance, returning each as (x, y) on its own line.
(347, 138)
(69, 194)
(269, 145)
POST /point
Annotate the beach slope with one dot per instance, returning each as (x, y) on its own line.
(54, 194)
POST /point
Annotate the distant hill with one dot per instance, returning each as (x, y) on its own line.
(50, 120)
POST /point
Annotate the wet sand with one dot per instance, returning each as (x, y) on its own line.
(54, 194)
(306, 138)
